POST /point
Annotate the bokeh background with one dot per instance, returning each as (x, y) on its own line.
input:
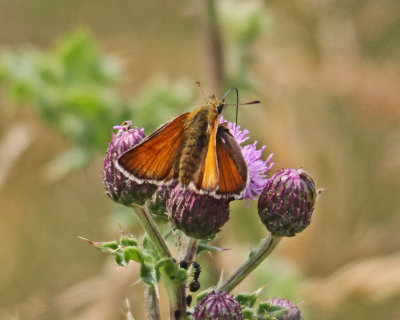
(328, 76)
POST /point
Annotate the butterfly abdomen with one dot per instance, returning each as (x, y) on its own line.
(194, 147)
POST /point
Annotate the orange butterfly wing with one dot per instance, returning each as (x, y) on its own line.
(224, 170)
(154, 159)
(233, 173)
(209, 178)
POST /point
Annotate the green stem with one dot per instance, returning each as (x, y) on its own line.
(177, 294)
(263, 251)
(151, 229)
(152, 306)
(190, 250)
(171, 289)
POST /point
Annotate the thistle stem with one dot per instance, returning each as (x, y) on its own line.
(268, 244)
(191, 250)
(150, 227)
(152, 305)
(178, 302)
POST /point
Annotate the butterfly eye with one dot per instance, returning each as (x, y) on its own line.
(219, 108)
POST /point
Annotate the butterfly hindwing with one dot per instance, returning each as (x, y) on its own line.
(233, 173)
(223, 170)
(154, 159)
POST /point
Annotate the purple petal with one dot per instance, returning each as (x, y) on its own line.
(256, 166)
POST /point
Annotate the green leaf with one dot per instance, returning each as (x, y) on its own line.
(203, 293)
(119, 258)
(170, 269)
(107, 246)
(149, 249)
(128, 241)
(167, 267)
(266, 308)
(247, 299)
(181, 276)
(247, 313)
(148, 273)
(132, 253)
(203, 245)
(81, 60)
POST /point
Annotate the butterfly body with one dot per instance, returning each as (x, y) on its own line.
(198, 134)
(192, 149)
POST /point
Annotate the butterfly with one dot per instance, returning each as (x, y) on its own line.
(193, 149)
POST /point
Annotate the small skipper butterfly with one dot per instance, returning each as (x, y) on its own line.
(194, 150)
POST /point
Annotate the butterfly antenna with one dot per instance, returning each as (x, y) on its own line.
(201, 90)
(237, 100)
(237, 105)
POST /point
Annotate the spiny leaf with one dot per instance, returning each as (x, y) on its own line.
(148, 273)
(132, 253)
(128, 241)
(271, 310)
(203, 245)
(247, 299)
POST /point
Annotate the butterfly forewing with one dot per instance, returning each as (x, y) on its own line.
(233, 175)
(154, 158)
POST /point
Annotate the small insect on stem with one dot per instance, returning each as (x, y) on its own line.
(195, 283)
(194, 286)
(197, 270)
(188, 300)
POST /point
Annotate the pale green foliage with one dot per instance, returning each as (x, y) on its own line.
(73, 88)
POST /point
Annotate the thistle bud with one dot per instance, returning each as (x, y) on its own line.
(293, 312)
(286, 204)
(218, 305)
(118, 187)
(197, 215)
(157, 205)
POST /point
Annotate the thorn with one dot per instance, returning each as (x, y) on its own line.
(93, 243)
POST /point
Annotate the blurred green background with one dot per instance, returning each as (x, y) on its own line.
(328, 76)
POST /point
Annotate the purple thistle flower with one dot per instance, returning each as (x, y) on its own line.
(240, 135)
(218, 305)
(256, 166)
(118, 187)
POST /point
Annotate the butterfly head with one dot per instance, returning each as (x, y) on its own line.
(215, 105)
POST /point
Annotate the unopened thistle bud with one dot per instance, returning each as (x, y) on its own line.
(218, 305)
(293, 312)
(118, 187)
(286, 204)
(197, 215)
(157, 205)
